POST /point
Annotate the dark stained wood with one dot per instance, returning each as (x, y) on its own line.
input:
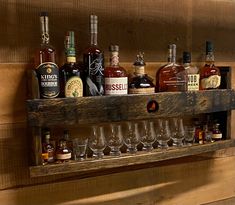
(128, 160)
(86, 110)
(36, 145)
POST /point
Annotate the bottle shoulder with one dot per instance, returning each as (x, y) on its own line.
(115, 71)
(92, 49)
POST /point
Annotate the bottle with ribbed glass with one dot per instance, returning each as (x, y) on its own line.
(172, 77)
(93, 60)
(116, 80)
(46, 68)
(192, 71)
(140, 82)
(71, 84)
(210, 77)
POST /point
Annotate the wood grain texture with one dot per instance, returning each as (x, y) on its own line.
(87, 110)
(172, 184)
(127, 160)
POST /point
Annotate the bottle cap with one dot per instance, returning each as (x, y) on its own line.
(44, 13)
(186, 57)
(209, 46)
(139, 59)
(113, 48)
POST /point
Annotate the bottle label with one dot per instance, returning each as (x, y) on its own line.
(141, 90)
(193, 82)
(116, 86)
(217, 136)
(48, 76)
(74, 87)
(95, 76)
(63, 156)
(212, 81)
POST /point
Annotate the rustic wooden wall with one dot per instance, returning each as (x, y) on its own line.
(134, 25)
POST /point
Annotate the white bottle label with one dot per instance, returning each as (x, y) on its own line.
(63, 156)
(211, 82)
(74, 87)
(116, 86)
(217, 136)
(193, 82)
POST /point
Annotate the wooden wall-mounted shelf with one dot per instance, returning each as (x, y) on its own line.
(127, 160)
(89, 110)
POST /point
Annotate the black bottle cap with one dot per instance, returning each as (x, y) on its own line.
(186, 57)
(44, 13)
(113, 48)
(209, 46)
(139, 60)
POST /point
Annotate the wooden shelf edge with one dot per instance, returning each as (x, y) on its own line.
(128, 160)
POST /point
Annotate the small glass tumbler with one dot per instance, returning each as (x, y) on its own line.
(97, 142)
(131, 136)
(189, 135)
(79, 148)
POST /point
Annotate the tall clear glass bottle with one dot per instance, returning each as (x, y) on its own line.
(71, 72)
(172, 77)
(116, 80)
(93, 59)
(210, 77)
(46, 68)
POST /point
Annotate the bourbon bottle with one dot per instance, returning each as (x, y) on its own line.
(172, 77)
(48, 150)
(71, 84)
(46, 68)
(192, 72)
(93, 60)
(116, 80)
(140, 82)
(210, 77)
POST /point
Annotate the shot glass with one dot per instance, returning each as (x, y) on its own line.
(79, 148)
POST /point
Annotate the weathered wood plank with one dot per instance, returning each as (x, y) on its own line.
(127, 160)
(86, 110)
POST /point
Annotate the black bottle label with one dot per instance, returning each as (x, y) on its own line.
(95, 75)
(48, 78)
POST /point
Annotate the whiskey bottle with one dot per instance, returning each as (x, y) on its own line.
(93, 60)
(216, 133)
(71, 84)
(63, 153)
(140, 82)
(46, 68)
(209, 74)
(48, 151)
(192, 72)
(172, 77)
(116, 80)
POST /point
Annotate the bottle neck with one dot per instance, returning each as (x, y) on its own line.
(94, 29)
(114, 59)
(94, 39)
(44, 29)
(140, 70)
(210, 59)
(172, 54)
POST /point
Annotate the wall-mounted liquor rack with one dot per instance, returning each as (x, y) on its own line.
(92, 110)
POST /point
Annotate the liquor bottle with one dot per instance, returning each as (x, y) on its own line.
(71, 84)
(63, 153)
(140, 82)
(172, 77)
(48, 151)
(116, 80)
(217, 134)
(93, 60)
(192, 72)
(46, 68)
(210, 77)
